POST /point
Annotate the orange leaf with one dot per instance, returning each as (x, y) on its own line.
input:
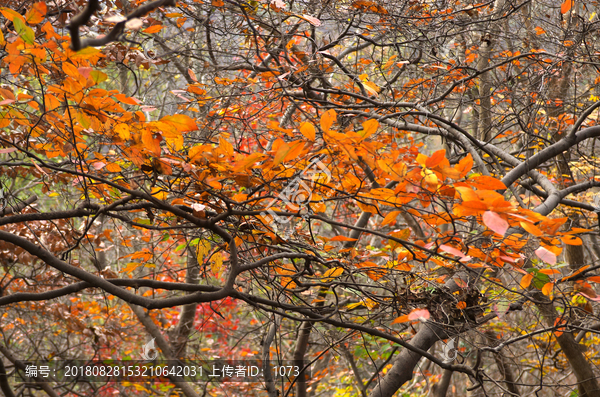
(557, 322)
(283, 150)
(327, 119)
(486, 183)
(531, 229)
(465, 165)
(571, 240)
(125, 99)
(549, 271)
(342, 238)
(526, 281)
(547, 288)
(460, 282)
(152, 144)
(369, 128)
(389, 218)
(308, 130)
(401, 319)
(192, 75)
(566, 6)
(582, 269)
(436, 158)
(153, 29)
(594, 279)
(36, 13)
(181, 122)
(461, 305)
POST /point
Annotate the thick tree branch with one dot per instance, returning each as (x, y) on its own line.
(93, 6)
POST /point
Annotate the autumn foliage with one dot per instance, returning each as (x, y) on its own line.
(344, 183)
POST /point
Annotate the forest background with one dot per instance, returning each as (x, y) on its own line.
(401, 194)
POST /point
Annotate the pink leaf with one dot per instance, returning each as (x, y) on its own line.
(452, 250)
(495, 222)
(278, 4)
(98, 165)
(85, 71)
(546, 255)
(313, 21)
(596, 299)
(419, 314)
(8, 150)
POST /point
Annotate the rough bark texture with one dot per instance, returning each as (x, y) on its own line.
(588, 385)
(181, 334)
(402, 370)
(441, 388)
(299, 352)
(266, 355)
(164, 346)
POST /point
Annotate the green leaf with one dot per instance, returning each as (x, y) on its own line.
(24, 31)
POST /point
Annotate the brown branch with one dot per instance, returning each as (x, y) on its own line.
(44, 385)
(93, 6)
(4, 385)
(18, 207)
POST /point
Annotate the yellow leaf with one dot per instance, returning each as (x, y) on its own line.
(332, 273)
(369, 127)
(202, 250)
(429, 177)
(216, 263)
(351, 306)
(159, 193)
(327, 119)
(372, 88)
(308, 130)
(281, 153)
(123, 131)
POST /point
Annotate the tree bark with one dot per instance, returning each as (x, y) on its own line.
(588, 385)
(441, 388)
(402, 370)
